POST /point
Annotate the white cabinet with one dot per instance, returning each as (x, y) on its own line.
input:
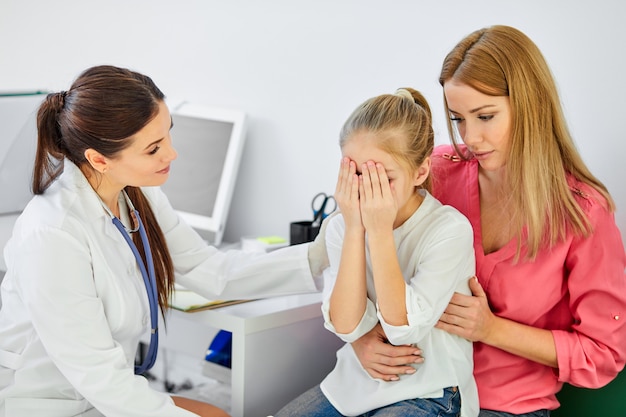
(280, 348)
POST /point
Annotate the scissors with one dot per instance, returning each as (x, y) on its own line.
(320, 206)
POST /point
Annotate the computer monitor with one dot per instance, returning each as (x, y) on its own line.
(209, 142)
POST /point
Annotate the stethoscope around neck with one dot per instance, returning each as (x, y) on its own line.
(149, 278)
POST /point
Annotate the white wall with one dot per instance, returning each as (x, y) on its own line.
(298, 68)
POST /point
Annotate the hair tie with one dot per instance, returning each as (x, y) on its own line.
(61, 96)
(403, 92)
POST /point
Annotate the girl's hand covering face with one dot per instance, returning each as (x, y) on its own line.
(347, 193)
(378, 203)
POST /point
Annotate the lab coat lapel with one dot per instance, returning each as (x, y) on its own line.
(73, 178)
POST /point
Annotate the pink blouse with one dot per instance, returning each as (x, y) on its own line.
(576, 289)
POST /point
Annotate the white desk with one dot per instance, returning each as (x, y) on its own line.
(280, 348)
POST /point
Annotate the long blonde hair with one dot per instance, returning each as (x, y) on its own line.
(502, 61)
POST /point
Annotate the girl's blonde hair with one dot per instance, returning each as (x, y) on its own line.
(502, 61)
(401, 122)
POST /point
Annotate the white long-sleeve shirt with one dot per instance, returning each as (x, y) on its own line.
(436, 254)
(74, 304)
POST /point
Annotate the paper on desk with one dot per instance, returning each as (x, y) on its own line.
(189, 301)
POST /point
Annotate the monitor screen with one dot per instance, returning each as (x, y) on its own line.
(209, 142)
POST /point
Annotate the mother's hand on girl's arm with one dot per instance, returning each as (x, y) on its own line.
(382, 360)
(469, 316)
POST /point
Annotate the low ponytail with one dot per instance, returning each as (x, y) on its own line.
(49, 155)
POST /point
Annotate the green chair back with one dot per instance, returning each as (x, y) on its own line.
(608, 401)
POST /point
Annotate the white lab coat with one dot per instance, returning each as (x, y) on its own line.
(74, 303)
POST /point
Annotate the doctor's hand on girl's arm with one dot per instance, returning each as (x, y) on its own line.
(382, 360)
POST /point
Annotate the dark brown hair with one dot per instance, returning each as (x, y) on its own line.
(104, 107)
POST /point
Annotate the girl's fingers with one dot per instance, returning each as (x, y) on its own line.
(376, 181)
(347, 169)
(361, 188)
(354, 192)
(385, 188)
(366, 183)
(347, 192)
(374, 178)
(344, 168)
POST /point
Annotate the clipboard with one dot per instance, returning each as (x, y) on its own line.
(191, 302)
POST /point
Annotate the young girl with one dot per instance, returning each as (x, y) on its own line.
(397, 256)
(550, 295)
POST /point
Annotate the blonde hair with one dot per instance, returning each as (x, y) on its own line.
(402, 124)
(502, 61)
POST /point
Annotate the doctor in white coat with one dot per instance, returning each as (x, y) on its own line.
(92, 258)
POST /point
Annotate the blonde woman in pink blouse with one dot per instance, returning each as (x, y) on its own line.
(549, 301)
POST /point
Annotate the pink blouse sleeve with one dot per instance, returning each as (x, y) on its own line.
(594, 351)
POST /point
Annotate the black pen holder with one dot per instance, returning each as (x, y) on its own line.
(302, 232)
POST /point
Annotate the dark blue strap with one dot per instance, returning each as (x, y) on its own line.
(150, 283)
